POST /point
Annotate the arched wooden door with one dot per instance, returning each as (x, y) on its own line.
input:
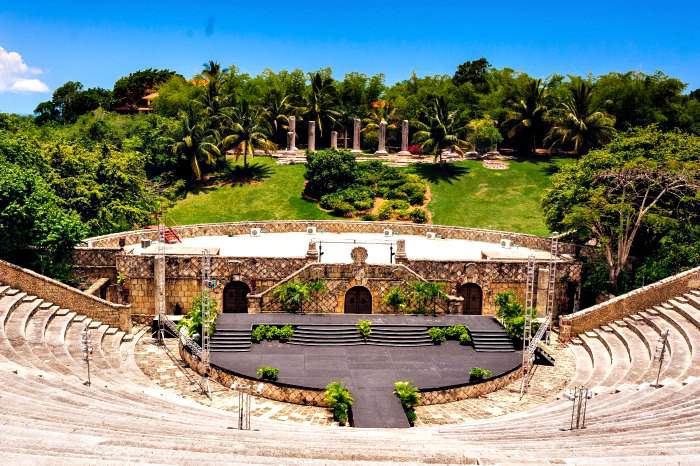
(236, 297)
(471, 292)
(358, 300)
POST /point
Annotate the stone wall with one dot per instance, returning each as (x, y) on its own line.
(463, 392)
(91, 264)
(65, 296)
(183, 273)
(333, 226)
(339, 278)
(628, 304)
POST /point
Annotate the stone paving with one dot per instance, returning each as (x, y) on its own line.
(547, 384)
(166, 370)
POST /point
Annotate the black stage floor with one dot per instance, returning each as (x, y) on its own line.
(368, 371)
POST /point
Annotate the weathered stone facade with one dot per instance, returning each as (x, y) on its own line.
(262, 274)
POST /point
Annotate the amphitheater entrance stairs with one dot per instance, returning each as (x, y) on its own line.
(377, 407)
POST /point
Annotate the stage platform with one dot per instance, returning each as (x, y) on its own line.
(368, 371)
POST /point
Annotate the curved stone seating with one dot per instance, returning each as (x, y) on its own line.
(49, 416)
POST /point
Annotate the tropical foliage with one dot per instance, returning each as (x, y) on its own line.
(339, 400)
(193, 323)
(409, 396)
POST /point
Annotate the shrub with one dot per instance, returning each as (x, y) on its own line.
(409, 396)
(364, 327)
(285, 333)
(328, 171)
(455, 331)
(464, 338)
(270, 332)
(479, 373)
(417, 215)
(192, 323)
(369, 217)
(395, 299)
(385, 211)
(437, 334)
(415, 192)
(339, 399)
(426, 295)
(292, 295)
(268, 373)
(258, 334)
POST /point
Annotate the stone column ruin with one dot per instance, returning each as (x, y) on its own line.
(356, 136)
(312, 136)
(381, 149)
(334, 140)
(404, 138)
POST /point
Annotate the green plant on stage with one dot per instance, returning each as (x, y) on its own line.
(437, 335)
(364, 327)
(409, 396)
(285, 333)
(395, 298)
(479, 373)
(455, 331)
(268, 373)
(464, 338)
(339, 400)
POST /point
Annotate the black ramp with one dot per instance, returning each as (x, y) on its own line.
(377, 407)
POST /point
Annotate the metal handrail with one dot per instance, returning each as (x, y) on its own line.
(186, 340)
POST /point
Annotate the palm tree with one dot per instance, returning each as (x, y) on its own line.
(381, 111)
(194, 143)
(444, 130)
(321, 102)
(214, 105)
(277, 109)
(249, 131)
(527, 115)
(582, 124)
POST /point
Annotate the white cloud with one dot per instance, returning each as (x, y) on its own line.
(14, 74)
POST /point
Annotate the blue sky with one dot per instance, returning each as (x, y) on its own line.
(45, 43)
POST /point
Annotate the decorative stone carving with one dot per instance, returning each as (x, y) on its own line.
(381, 149)
(358, 255)
(404, 138)
(401, 249)
(356, 136)
(334, 140)
(312, 136)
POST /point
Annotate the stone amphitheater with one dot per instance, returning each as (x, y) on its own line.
(50, 416)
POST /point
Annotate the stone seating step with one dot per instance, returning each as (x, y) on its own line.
(638, 353)
(680, 357)
(619, 355)
(600, 356)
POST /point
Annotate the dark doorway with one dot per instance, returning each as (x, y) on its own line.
(471, 292)
(358, 300)
(236, 297)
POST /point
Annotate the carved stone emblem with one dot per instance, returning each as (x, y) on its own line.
(358, 255)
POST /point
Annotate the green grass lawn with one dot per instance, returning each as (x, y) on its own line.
(277, 196)
(467, 194)
(464, 193)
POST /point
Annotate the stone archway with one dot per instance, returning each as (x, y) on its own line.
(236, 297)
(358, 300)
(473, 298)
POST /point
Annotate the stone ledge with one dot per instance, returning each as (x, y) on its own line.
(627, 304)
(48, 289)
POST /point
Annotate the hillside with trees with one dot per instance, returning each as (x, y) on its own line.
(93, 161)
